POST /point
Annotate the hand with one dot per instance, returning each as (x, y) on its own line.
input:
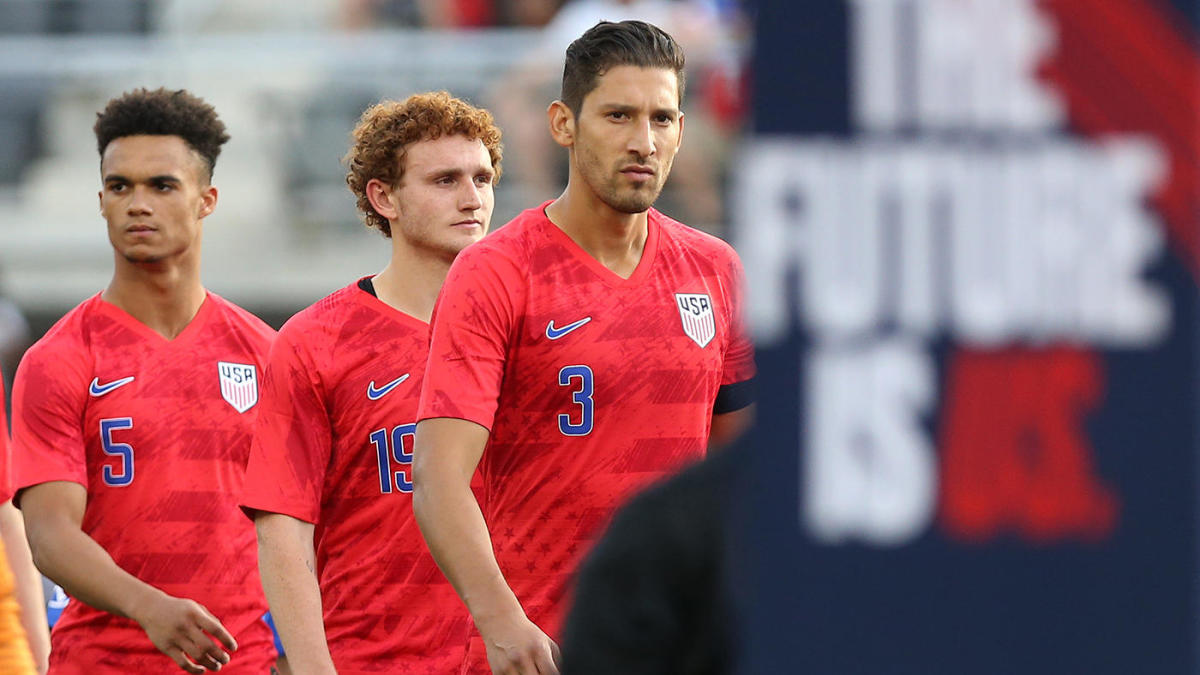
(184, 630)
(520, 648)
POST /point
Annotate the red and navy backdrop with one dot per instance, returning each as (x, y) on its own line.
(970, 229)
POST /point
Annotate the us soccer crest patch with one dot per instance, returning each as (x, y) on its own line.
(239, 385)
(696, 313)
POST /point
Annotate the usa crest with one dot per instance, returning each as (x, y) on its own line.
(696, 312)
(239, 385)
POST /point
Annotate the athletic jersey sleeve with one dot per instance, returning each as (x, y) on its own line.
(738, 370)
(49, 396)
(470, 335)
(290, 452)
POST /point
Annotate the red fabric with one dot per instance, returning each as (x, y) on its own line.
(547, 494)
(316, 457)
(175, 524)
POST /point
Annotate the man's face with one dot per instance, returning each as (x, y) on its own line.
(154, 196)
(444, 201)
(626, 136)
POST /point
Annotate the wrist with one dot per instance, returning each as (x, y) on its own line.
(496, 612)
(138, 602)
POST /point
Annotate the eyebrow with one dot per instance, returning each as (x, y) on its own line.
(163, 178)
(621, 107)
(456, 172)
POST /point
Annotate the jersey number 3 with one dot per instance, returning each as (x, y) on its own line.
(122, 474)
(580, 379)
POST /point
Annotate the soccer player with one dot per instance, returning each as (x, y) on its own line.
(590, 344)
(329, 479)
(132, 420)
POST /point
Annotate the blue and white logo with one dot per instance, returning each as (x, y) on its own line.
(97, 389)
(555, 333)
(376, 394)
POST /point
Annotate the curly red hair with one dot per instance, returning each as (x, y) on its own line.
(386, 129)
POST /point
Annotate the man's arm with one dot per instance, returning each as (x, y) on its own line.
(28, 585)
(727, 427)
(178, 627)
(444, 459)
(287, 565)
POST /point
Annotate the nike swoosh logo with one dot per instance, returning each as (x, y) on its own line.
(555, 333)
(97, 389)
(376, 394)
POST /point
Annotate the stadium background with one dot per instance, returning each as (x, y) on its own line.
(969, 228)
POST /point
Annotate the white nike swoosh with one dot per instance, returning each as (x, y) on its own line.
(97, 389)
(555, 333)
(376, 394)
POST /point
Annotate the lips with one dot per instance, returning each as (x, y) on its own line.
(638, 172)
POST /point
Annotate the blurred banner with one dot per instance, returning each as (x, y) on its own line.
(970, 235)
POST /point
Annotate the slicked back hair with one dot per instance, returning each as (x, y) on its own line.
(161, 112)
(607, 45)
(386, 129)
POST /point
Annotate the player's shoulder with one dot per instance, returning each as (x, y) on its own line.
(505, 252)
(691, 239)
(66, 346)
(323, 315)
(72, 331)
(242, 321)
(514, 238)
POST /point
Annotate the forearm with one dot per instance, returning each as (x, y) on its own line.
(28, 584)
(287, 565)
(73, 560)
(457, 536)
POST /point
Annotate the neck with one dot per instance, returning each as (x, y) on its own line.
(165, 297)
(615, 239)
(411, 281)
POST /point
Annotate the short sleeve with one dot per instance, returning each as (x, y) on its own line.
(738, 367)
(469, 337)
(290, 453)
(48, 404)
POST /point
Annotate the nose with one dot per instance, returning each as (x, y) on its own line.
(139, 202)
(641, 139)
(471, 197)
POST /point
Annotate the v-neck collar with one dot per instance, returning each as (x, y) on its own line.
(372, 301)
(149, 334)
(644, 266)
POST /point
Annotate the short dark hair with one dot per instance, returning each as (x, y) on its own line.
(607, 45)
(163, 113)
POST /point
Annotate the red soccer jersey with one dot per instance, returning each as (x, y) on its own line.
(333, 448)
(158, 431)
(592, 385)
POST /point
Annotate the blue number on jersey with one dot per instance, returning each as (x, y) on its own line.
(121, 450)
(394, 451)
(581, 396)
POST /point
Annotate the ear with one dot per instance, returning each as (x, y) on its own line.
(379, 194)
(208, 201)
(562, 124)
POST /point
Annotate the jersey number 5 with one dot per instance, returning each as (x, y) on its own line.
(122, 451)
(386, 453)
(579, 377)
